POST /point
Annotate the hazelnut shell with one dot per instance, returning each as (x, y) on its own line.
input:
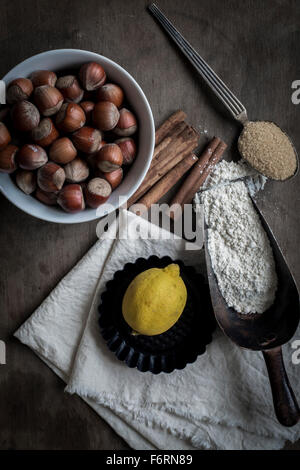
(127, 124)
(26, 181)
(45, 133)
(92, 76)
(105, 115)
(111, 92)
(87, 139)
(48, 99)
(128, 149)
(97, 191)
(43, 77)
(77, 171)
(50, 199)
(62, 151)
(25, 116)
(71, 199)
(70, 88)
(18, 90)
(31, 157)
(70, 117)
(51, 177)
(109, 158)
(8, 159)
(5, 137)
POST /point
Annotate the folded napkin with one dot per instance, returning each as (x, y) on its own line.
(222, 401)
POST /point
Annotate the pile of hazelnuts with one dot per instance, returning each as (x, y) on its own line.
(67, 139)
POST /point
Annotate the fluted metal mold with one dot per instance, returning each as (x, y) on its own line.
(172, 350)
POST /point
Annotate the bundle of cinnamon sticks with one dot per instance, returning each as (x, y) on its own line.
(175, 142)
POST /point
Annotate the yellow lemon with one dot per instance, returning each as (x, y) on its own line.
(154, 300)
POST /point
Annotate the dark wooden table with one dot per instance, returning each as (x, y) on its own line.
(253, 44)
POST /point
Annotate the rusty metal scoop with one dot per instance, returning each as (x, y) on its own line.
(265, 332)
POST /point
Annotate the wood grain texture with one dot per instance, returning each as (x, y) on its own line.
(253, 45)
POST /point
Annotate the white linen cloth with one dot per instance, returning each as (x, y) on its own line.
(222, 401)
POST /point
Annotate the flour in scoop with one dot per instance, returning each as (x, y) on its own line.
(239, 248)
(226, 172)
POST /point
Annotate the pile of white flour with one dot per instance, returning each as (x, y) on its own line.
(225, 172)
(239, 248)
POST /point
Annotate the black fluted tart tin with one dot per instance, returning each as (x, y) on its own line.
(178, 346)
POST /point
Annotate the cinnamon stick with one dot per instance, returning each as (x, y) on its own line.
(176, 151)
(163, 145)
(166, 127)
(216, 157)
(165, 183)
(194, 175)
(211, 156)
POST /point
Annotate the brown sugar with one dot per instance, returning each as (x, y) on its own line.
(268, 149)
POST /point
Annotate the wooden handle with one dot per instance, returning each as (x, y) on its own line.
(285, 403)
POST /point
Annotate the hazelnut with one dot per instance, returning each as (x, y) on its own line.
(128, 149)
(70, 88)
(87, 139)
(25, 116)
(43, 77)
(31, 157)
(92, 76)
(77, 171)
(111, 92)
(45, 133)
(26, 181)
(8, 159)
(109, 158)
(5, 136)
(70, 117)
(48, 99)
(62, 151)
(91, 160)
(97, 191)
(19, 90)
(113, 177)
(127, 124)
(51, 177)
(47, 198)
(71, 198)
(88, 107)
(105, 115)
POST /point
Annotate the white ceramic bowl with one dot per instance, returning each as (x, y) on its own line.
(72, 58)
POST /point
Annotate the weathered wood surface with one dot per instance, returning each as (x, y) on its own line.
(255, 48)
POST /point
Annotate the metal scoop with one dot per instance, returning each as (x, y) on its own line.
(230, 101)
(265, 332)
